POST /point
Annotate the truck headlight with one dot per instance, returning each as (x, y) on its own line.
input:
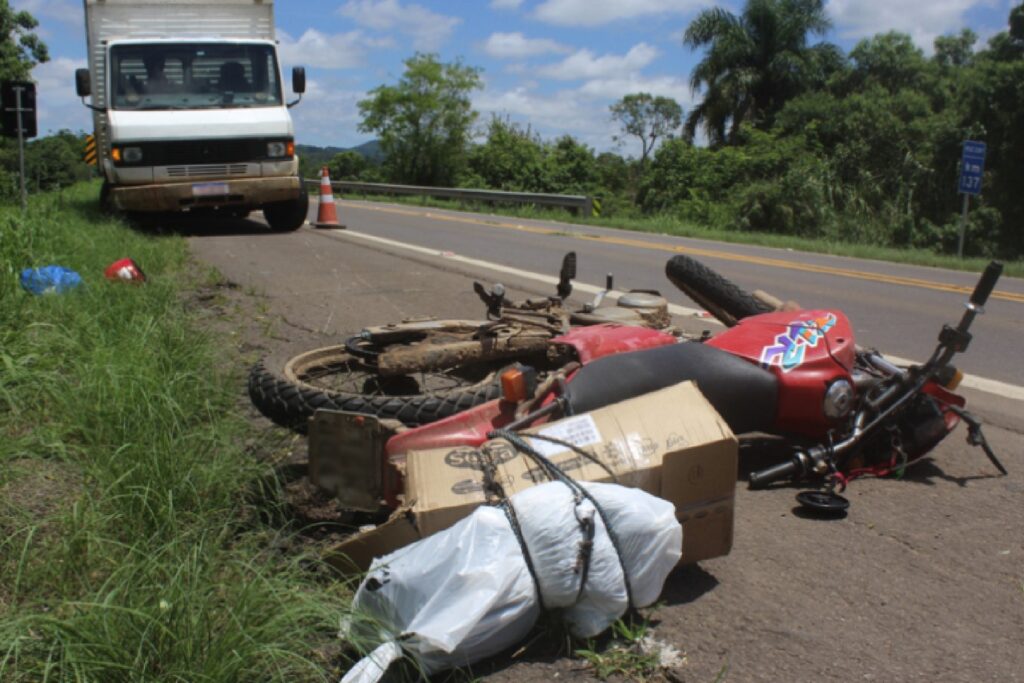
(280, 149)
(838, 399)
(132, 155)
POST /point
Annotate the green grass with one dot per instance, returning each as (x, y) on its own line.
(624, 656)
(670, 225)
(132, 540)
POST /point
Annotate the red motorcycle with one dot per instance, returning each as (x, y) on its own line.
(838, 411)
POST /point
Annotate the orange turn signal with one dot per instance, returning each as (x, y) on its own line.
(513, 385)
(954, 382)
(115, 154)
(289, 149)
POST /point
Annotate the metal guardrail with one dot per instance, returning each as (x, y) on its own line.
(583, 205)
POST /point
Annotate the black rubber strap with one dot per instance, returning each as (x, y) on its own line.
(494, 490)
(556, 474)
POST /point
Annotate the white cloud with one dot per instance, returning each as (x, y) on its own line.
(551, 115)
(581, 112)
(506, 4)
(613, 89)
(328, 115)
(923, 21)
(428, 30)
(58, 105)
(518, 46)
(584, 64)
(598, 12)
(339, 51)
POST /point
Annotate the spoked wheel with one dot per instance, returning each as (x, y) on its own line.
(289, 389)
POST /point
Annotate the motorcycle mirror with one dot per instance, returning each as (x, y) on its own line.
(823, 503)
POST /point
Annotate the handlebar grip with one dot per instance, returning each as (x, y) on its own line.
(987, 283)
(783, 470)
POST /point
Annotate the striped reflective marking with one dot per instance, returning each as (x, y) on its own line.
(90, 150)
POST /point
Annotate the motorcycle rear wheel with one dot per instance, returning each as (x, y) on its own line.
(288, 389)
(723, 298)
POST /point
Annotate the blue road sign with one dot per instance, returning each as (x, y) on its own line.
(972, 166)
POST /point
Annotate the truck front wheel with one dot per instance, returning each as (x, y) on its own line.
(106, 204)
(287, 216)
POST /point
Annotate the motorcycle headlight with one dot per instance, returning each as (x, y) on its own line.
(280, 148)
(838, 399)
(132, 155)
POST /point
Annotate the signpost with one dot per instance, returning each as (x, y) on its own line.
(972, 166)
(18, 115)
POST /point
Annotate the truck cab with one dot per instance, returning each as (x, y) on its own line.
(189, 109)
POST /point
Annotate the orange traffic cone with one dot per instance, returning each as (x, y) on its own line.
(327, 212)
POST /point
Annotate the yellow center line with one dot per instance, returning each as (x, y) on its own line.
(709, 253)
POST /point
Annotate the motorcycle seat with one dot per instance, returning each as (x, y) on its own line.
(744, 394)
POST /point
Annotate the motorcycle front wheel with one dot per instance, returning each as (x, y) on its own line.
(722, 297)
(288, 389)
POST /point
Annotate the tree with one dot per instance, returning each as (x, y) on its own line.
(953, 51)
(995, 114)
(20, 48)
(569, 166)
(754, 62)
(648, 118)
(347, 165)
(424, 121)
(511, 158)
(890, 60)
(613, 172)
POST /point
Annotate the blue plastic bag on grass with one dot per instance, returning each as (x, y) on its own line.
(49, 280)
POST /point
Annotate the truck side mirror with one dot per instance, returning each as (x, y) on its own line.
(82, 83)
(298, 80)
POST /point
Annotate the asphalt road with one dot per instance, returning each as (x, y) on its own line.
(896, 308)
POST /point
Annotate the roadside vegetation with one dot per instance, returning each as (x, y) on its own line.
(136, 532)
(791, 138)
(51, 162)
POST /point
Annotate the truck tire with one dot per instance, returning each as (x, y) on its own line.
(721, 297)
(287, 216)
(288, 388)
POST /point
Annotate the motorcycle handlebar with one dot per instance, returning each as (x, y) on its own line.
(783, 470)
(987, 283)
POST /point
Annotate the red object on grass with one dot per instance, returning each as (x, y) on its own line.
(125, 269)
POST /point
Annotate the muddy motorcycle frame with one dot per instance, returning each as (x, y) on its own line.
(839, 411)
(422, 370)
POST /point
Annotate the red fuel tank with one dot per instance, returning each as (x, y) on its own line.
(807, 351)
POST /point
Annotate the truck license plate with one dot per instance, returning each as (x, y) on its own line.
(209, 189)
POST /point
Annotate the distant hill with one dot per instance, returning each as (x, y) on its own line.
(371, 150)
(315, 157)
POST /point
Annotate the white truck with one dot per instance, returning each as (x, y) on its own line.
(188, 108)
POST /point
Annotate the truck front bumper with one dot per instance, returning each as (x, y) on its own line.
(237, 192)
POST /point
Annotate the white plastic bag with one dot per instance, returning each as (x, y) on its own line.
(466, 593)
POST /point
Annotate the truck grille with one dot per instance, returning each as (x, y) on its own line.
(219, 171)
(192, 153)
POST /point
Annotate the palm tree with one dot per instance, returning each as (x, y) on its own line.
(753, 64)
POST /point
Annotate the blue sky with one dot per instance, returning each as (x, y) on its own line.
(553, 64)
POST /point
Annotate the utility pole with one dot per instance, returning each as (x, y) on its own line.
(19, 121)
(21, 147)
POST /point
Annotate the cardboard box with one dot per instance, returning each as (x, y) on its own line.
(671, 443)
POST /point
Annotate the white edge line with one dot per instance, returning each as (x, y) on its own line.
(989, 386)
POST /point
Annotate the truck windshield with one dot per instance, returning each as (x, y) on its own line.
(193, 76)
